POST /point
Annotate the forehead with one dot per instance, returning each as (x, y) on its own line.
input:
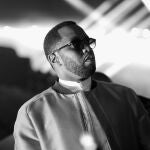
(68, 33)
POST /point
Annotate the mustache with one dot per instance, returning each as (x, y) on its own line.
(88, 56)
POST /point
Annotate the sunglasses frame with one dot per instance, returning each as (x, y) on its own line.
(71, 43)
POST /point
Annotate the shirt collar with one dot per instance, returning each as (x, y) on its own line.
(83, 85)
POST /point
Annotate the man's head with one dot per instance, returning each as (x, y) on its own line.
(69, 51)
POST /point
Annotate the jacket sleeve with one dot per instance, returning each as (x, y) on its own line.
(24, 133)
(143, 120)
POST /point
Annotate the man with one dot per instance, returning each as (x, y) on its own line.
(76, 105)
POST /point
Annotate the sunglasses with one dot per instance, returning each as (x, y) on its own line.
(79, 44)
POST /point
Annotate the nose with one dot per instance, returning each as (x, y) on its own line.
(86, 49)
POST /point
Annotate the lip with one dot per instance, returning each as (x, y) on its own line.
(88, 58)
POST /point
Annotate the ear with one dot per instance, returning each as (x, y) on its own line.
(52, 58)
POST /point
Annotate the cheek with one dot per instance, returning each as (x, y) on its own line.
(73, 56)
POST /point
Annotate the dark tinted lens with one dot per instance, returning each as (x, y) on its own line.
(78, 44)
(92, 43)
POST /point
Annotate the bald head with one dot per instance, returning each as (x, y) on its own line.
(53, 37)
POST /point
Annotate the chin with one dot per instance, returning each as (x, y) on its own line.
(88, 73)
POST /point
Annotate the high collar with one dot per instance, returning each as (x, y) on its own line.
(83, 85)
(67, 89)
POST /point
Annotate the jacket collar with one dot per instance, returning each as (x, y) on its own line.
(83, 85)
(66, 89)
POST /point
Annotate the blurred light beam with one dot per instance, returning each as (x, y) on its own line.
(81, 6)
(146, 3)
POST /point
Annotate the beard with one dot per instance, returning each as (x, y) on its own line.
(79, 69)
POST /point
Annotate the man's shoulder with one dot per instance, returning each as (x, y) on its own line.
(114, 87)
(116, 92)
(36, 100)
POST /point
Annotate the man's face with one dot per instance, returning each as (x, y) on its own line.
(79, 60)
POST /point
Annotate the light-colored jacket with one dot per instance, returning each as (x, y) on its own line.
(49, 120)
